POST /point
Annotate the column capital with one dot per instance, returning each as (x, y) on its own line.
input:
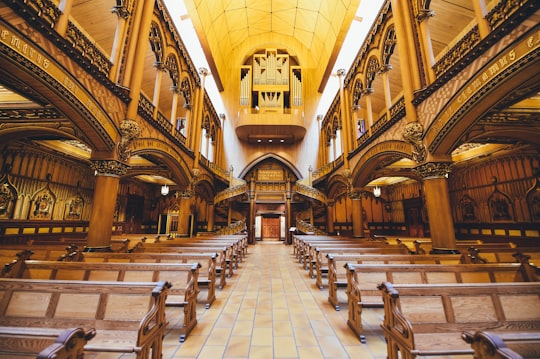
(120, 10)
(341, 72)
(424, 14)
(111, 168)
(433, 170)
(355, 195)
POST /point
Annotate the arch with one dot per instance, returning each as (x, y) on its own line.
(389, 44)
(372, 66)
(171, 64)
(156, 41)
(499, 79)
(375, 159)
(335, 186)
(173, 160)
(92, 123)
(277, 157)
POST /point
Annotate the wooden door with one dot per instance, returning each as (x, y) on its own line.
(270, 227)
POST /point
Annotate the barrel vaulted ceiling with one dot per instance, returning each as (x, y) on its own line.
(311, 30)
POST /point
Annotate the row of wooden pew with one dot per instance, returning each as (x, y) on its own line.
(434, 304)
(108, 301)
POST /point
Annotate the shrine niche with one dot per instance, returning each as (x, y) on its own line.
(500, 205)
(8, 197)
(467, 207)
(43, 203)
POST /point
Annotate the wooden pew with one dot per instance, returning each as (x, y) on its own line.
(318, 253)
(225, 264)
(117, 245)
(502, 255)
(363, 280)
(128, 317)
(428, 319)
(182, 276)
(68, 344)
(337, 267)
(503, 346)
(42, 252)
(207, 272)
(239, 243)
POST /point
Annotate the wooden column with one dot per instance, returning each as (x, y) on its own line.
(357, 220)
(210, 224)
(108, 174)
(441, 223)
(330, 217)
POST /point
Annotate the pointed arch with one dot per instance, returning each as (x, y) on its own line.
(278, 158)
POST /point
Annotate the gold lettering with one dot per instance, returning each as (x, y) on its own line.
(4, 34)
(15, 41)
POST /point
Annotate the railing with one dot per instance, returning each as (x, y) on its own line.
(234, 228)
(305, 227)
(230, 193)
(310, 192)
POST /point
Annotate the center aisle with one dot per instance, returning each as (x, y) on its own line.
(271, 308)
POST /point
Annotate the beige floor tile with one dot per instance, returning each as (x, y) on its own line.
(238, 347)
(285, 347)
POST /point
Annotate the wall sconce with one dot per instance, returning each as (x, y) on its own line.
(164, 190)
(377, 191)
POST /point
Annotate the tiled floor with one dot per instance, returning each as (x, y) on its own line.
(271, 308)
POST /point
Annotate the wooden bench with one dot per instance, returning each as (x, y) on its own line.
(225, 265)
(502, 255)
(207, 272)
(182, 276)
(317, 255)
(128, 317)
(116, 245)
(428, 319)
(503, 346)
(363, 280)
(68, 344)
(43, 252)
(337, 267)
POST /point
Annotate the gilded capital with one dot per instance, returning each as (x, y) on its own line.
(111, 168)
(434, 170)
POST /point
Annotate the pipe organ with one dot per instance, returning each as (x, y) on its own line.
(270, 83)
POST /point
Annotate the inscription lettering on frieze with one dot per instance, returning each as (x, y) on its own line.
(146, 143)
(36, 56)
(385, 147)
(270, 175)
(506, 59)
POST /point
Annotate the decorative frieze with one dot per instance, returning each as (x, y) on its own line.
(433, 170)
(111, 168)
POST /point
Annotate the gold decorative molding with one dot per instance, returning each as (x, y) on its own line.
(111, 168)
(433, 170)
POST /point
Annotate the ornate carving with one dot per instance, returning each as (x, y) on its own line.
(120, 9)
(8, 195)
(75, 208)
(185, 88)
(413, 134)
(357, 94)
(43, 202)
(355, 195)
(129, 130)
(433, 169)
(111, 168)
(87, 49)
(424, 14)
